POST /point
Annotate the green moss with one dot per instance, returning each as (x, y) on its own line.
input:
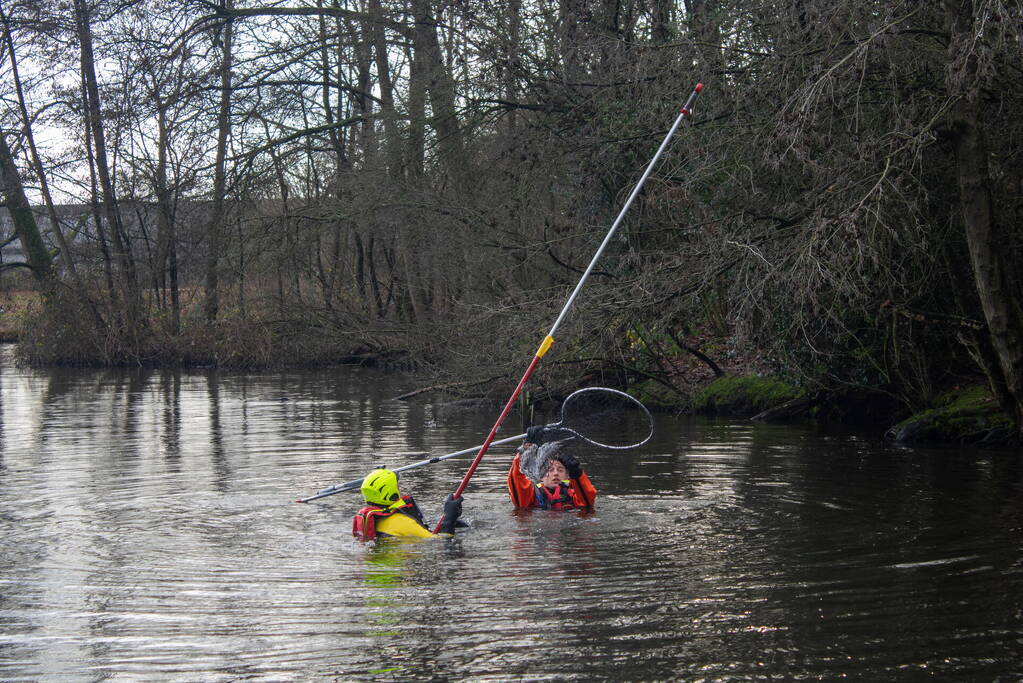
(975, 399)
(744, 395)
(967, 415)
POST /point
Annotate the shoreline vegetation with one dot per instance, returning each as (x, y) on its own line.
(832, 234)
(690, 383)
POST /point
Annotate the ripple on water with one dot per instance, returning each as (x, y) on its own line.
(150, 535)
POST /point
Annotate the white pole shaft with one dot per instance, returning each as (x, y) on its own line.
(686, 111)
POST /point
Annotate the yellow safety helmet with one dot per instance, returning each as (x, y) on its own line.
(380, 487)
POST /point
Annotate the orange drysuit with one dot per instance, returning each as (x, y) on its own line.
(575, 493)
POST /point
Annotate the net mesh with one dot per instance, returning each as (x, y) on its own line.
(604, 417)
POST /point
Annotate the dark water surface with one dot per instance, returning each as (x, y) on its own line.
(149, 534)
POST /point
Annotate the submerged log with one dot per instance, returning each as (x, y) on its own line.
(790, 409)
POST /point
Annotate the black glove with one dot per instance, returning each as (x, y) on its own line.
(571, 463)
(535, 435)
(452, 511)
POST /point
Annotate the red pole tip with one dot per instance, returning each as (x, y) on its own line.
(699, 87)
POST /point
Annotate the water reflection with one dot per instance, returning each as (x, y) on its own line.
(149, 536)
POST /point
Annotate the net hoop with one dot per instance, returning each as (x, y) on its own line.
(642, 410)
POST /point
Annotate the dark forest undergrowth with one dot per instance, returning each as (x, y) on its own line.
(703, 373)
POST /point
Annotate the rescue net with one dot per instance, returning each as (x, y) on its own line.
(602, 417)
(596, 415)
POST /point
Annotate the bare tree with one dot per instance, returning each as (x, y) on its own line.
(211, 302)
(388, 170)
(110, 208)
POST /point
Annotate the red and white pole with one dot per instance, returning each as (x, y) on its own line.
(685, 112)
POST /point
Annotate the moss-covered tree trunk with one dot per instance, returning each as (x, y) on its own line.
(1001, 310)
(37, 255)
(44, 187)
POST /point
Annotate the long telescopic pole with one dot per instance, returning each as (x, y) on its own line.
(545, 346)
(356, 483)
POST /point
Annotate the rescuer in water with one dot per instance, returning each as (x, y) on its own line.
(543, 475)
(388, 513)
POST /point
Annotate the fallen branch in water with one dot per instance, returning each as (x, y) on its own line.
(448, 385)
(791, 408)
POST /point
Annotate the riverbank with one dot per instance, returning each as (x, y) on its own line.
(739, 384)
(15, 307)
(74, 334)
(963, 415)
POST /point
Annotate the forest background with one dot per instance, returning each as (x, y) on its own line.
(420, 183)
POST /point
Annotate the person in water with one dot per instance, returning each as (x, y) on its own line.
(388, 513)
(543, 475)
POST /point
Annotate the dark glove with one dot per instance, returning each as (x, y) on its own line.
(571, 463)
(452, 511)
(535, 435)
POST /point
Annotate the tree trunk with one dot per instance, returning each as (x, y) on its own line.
(166, 266)
(392, 139)
(111, 212)
(510, 69)
(44, 186)
(415, 155)
(661, 31)
(573, 16)
(363, 57)
(94, 205)
(21, 212)
(705, 18)
(328, 108)
(211, 302)
(440, 88)
(986, 244)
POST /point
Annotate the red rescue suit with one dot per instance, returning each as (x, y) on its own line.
(576, 493)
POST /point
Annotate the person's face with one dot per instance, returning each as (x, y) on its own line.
(556, 473)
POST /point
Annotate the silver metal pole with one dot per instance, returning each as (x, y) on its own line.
(686, 111)
(356, 483)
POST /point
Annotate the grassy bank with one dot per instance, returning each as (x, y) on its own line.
(71, 332)
(16, 306)
(744, 396)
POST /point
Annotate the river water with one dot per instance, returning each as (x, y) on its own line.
(149, 533)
